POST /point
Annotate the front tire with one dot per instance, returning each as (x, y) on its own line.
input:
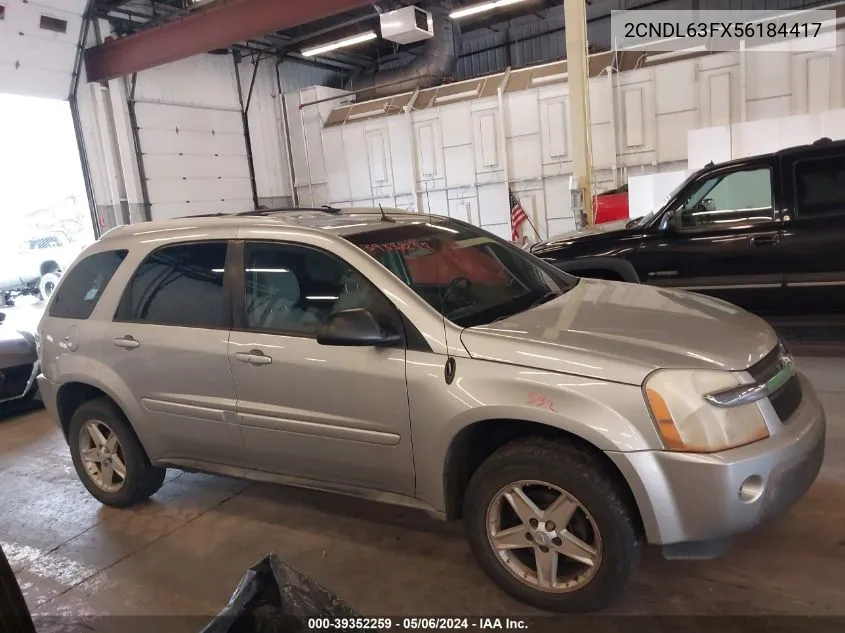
(551, 526)
(108, 457)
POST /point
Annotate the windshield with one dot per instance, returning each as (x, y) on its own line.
(468, 275)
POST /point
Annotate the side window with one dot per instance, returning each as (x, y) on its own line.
(179, 285)
(739, 197)
(293, 289)
(820, 187)
(84, 284)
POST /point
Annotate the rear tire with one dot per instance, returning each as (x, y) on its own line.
(602, 529)
(140, 479)
(14, 614)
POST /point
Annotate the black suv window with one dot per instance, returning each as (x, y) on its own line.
(737, 197)
(820, 186)
(179, 285)
(84, 284)
(293, 289)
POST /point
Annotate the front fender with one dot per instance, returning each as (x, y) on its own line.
(610, 416)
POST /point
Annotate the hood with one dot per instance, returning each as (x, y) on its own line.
(622, 332)
(609, 230)
(16, 348)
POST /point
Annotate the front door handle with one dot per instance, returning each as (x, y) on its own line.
(254, 357)
(127, 342)
(764, 240)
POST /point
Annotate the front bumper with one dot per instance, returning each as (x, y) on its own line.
(686, 497)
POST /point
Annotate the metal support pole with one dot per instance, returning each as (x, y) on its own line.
(88, 17)
(286, 139)
(136, 138)
(575, 21)
(245, 120)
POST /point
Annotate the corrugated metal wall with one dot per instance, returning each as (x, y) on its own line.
(535, 39)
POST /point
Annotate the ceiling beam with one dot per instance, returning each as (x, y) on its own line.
(218, 26)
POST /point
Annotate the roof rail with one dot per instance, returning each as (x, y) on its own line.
(263, 211)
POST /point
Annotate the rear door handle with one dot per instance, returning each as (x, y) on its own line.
(764, 240)
(127, 342)
(254, 357)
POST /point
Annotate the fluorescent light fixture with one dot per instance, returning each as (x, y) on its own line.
(349, 41)
(481, 8)
(455, 97)
(322, 298)
(365, 114)
(548, 78)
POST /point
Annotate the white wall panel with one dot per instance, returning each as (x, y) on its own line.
(672, 130)
(818, 84)
(554, 114)
(203, 80)
(161, 116)
(399, 133)
(456, 124)
(195, 166)
(337, 171)
(524, 158)
(487, 141)
(674, 87)
(35, 61)
(494, 204)
(378, 154)
(435, 202)
(522, 115)
(559, 198)
(354, 142)
(460, 166)
(157, 141)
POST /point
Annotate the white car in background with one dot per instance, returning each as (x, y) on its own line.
(32, 264)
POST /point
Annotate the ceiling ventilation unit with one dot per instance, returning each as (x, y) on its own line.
(407, 25)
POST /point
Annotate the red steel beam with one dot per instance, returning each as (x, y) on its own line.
(219, 26)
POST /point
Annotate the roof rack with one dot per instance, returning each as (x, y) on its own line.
(264, 211)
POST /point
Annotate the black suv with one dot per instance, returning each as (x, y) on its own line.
(766, 233)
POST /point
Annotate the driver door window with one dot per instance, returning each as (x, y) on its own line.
(735, 199)
(294, 289)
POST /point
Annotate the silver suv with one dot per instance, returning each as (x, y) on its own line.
(421, 361)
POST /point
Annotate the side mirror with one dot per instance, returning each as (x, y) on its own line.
(2, 316)
(668, 223)
(355, 328)
(708, 205)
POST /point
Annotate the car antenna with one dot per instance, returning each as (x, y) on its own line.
(449, 369)
(384, 216)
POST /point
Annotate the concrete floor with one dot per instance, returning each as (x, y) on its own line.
(183, 552)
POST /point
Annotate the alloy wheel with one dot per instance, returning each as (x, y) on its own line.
(544, 536)
(102, 455)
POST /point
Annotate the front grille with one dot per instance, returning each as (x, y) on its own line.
(787, 399)
(768, 368)
(13, 380)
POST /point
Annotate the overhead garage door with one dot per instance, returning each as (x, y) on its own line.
(194, 159)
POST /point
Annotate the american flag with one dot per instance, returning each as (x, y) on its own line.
(518, 216)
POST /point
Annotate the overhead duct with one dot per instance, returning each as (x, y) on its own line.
(436, 62)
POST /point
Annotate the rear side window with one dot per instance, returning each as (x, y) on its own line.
(179, 285)
(84, 284)
(820, 186)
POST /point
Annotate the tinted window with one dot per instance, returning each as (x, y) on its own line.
(820, 186)
(735, 198)
(467, 274)
(84, 284)
(293, 289)
(179, 285)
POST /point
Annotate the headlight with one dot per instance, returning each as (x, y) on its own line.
(687, 422)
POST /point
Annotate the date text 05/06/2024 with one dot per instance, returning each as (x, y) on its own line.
(417, 624)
